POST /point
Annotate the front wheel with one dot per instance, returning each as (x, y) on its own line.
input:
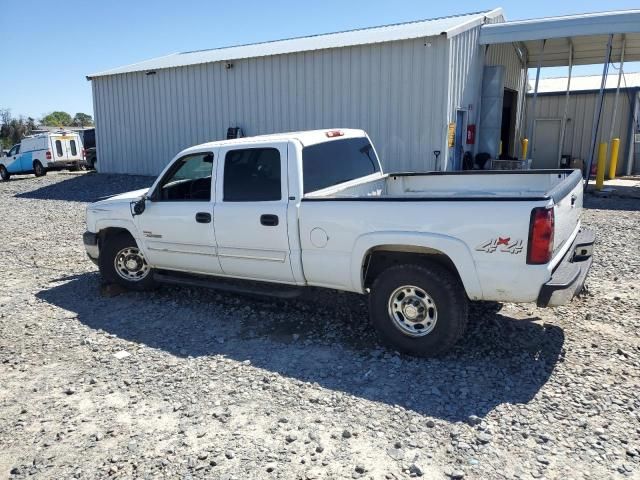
(418, 309)
(4, 173)
(38, 169)
(122, 262)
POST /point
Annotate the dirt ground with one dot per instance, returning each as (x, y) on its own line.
(190, 383)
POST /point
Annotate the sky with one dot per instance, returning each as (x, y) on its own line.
(44, 66)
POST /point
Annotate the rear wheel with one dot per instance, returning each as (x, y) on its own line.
(4, 173)
(418, 309)
(122, 262)
(38, 169)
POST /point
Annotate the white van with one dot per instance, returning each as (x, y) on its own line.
(43, 152)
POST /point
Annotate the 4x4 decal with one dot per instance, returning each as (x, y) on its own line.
(501, 244)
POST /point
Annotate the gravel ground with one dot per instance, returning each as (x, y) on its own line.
(191, 383)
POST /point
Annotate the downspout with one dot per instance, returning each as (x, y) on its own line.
(522, 95)
(534, 100)
(566, 102)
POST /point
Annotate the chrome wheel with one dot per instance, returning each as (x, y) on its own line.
(131, 265)
(413, 311)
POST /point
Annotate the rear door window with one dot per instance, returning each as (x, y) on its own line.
(337, 161)
(59, 148)
(252, 175)
(74, 150)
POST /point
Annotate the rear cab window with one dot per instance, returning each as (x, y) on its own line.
(331, 163)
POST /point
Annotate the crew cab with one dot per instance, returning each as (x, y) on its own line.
(43, 152)
(316, 209)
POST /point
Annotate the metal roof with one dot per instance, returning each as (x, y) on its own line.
(588, 82)
(449, 26)
(587, 32)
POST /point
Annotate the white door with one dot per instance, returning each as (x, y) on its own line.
(60, 148)
(74, 148)
(251, 212)
(546, 147)
(177, 224)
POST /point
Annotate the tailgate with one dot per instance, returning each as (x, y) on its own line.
(567, 198)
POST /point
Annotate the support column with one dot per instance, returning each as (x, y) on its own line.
(614, 152)
(566, 102)
(597, 111)
(534, 100)
(615, 99)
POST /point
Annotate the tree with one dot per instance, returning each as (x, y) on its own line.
(57, 119)
(82, 120)
(13, 130)
(5, 116)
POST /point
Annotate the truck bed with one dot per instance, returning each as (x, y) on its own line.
(489, 185)
(471, 209)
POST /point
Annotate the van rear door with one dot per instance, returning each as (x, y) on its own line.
(67, 147)
(59, 146)
(74, 148)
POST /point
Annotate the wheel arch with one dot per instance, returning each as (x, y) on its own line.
(374, 252)
(112, 228)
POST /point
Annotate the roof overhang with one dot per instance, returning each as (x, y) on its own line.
(588, 33)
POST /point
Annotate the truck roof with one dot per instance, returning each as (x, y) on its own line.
(307, 137)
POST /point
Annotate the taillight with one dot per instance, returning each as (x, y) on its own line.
(84, 154)
(48, 155)
(540, 246)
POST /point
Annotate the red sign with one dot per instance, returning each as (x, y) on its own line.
(471, 134)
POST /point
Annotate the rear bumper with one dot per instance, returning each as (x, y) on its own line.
(569, 276)
(63, 164)
(90, 241)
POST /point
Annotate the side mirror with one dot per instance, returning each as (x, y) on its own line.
(138, 207)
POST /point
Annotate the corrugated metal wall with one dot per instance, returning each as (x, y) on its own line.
(505, 54)
(580, 121)
(465, 77)
(515, 79)
(395, 91)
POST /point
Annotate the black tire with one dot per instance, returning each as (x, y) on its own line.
(113, 247)
(445, 291)
(4, 173)
(38, 169)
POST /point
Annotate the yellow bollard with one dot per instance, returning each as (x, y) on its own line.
(602, 164)
(525, 146)
(613, 162)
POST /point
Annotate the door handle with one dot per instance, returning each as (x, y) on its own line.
(573, 200)
(269, 220)
(203, 217)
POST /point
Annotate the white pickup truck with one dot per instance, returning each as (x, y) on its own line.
(315, 209)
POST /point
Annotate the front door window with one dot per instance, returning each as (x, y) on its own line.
(188, 180)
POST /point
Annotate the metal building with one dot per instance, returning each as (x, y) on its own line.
(621, 122)
(423, 90)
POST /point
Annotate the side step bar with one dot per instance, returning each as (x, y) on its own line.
(263, 289)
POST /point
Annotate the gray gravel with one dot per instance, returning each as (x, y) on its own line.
(195, 384)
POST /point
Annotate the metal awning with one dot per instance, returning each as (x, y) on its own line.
(586, 34)
(590, 38)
